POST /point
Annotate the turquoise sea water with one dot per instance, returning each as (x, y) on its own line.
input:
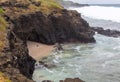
(98, 62)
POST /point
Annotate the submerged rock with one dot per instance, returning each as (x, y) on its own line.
(107, 32)
(72, 80)
(47, 81)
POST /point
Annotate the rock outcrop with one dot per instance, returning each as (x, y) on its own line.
(64, 26)
(72, 80)
(15, 61)
(107, 32)
(67, 80)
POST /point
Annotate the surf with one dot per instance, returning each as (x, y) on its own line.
(100, 12)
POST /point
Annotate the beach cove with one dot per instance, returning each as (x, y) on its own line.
(39, 50)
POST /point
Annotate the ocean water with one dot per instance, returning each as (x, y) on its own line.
(96, 62)
(100, 12)
(106, 5)
(101, 15)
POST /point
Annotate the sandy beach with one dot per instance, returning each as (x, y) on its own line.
(38, 50)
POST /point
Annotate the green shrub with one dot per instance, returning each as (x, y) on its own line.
(1, 11)
(3, 24)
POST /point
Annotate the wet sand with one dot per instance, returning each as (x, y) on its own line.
(38, 50)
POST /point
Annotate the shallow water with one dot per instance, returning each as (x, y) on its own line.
(98, 62)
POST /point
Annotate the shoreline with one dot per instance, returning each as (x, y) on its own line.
(39, 50)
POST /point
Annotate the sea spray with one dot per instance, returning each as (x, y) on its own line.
(100, 12)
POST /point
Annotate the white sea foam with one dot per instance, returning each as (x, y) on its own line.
(100, 12)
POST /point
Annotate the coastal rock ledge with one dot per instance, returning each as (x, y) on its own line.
(62, 26)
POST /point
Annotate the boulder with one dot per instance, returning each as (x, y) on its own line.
(72, 80)
(107, 32)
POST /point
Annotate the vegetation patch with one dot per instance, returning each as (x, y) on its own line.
(3, 25)
(30, 6)
(1, 11)
(3, 78)
(49, 5)
(46, 6)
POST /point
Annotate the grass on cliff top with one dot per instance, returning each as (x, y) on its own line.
(46, 6)
(49, 5)
(3, 78)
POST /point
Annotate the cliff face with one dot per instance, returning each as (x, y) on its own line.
(15, 62)
(64, 26)
(17, 65)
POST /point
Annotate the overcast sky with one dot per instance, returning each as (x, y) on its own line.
(98, 1)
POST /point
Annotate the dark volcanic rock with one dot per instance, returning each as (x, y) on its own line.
(21, 59)
(107, 32)
(47, 81)
(17, 65)
(13, 3)
(15, 61)
(72, 80)
(64, 26)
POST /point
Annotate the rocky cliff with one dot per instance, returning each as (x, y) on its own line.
(64, 26)
(27, 21)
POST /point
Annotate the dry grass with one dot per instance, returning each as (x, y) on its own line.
(3, 78)
(47, 6)
(3, 25)
(1, 11)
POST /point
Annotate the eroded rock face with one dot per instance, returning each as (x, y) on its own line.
(64, 26)
(15, 61)
(17, 65)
